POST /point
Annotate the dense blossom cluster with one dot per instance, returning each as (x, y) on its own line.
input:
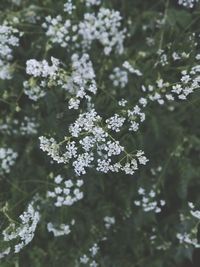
(43, 70)
(7, 159)
(8, 40)
(91, 138)
(103, 27)
(80, 85)
(82, 82)
(115, 122)
(24, 233)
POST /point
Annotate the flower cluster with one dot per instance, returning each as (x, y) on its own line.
(103, 27)
(91, 136)
(42, 68)
(8, 39)
(60, 230)
(58, 31)
(69, 7)
(148, 201)
(50, 146)
(39, 69)
(189, 82)
(136, 115)
(82, 82)
(79, 85)
(119, 77)
(115, 123)
(66, 192)
(25, 232)
(7, 159)
(163, 91)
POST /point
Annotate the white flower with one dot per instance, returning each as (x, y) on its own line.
(141, 191)
(68, 183)
(79, 183)
(94, 249)
(69, 7)
(84, 259)
(58, 179)
(122, 102)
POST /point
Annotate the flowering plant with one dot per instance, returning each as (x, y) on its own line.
(99, 148)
